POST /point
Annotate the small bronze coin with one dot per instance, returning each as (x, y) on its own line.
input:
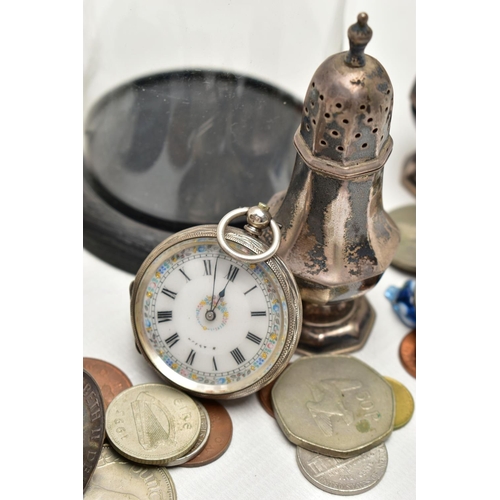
(265, 397)
(405, 405)
(111, 379)
(221, 433)
(408, 352)
(93, 426)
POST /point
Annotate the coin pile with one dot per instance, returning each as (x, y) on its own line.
(149, 427)
(339, 412)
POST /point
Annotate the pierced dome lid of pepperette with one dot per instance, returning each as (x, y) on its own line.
(348, 106)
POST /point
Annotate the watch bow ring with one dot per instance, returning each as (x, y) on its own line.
(258, 218)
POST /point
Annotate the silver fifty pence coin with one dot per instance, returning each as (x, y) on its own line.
(334, 405)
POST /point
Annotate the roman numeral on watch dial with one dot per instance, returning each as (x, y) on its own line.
(233, 272)
(258, 313)
(254, 338)
(172, 340)
(168, 293)
(185, 275)
(208, 267)
(164, 316)
(238, 357)
(190, 358)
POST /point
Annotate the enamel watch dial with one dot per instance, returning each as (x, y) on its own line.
(212, 324)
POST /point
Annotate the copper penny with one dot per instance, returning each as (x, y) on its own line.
(265, 398)
(111, 380)
(408, 353)
(221, 432)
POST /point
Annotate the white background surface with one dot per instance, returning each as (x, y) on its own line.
(41, 251)
(261, 462)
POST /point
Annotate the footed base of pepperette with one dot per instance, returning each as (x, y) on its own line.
(342, 327)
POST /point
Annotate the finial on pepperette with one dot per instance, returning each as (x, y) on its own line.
(359, 35)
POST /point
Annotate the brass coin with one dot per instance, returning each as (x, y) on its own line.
(405, 257)
(111, 379)
(408, 353)
(93, 426)
(221, 433)
(405, 405)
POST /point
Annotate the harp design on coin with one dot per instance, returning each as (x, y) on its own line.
(328, 403)
(154, 423)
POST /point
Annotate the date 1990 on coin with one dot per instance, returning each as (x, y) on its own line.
(207, 321)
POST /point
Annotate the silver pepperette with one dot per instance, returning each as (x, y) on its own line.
(336, 236)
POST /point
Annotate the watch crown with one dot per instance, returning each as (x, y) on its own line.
(258, 218)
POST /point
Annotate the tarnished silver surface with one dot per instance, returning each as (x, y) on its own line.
(406, 254)
(348, 107)
(200, 442)
(117, 478)
(344, 476)
(93, 426)
(334, 405)
(152, 423)
(337, 238)
(348, 324)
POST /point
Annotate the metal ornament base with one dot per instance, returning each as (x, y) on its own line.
(410, 174)
(339, 328)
